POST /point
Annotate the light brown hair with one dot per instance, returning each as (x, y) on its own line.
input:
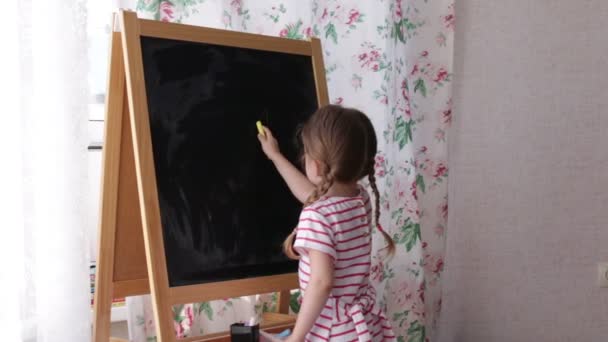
(344, 141)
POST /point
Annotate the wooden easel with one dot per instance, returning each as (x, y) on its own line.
(131, 257)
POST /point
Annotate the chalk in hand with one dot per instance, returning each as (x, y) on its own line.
(260, 128)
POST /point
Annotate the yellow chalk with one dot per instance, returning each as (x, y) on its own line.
(260, 128)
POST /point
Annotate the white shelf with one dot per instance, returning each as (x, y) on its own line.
(119, 314)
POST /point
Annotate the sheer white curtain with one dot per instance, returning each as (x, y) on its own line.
(43, 254)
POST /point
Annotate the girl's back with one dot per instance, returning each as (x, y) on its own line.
(332, 239)
(340, 227)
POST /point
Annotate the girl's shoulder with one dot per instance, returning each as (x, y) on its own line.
(330, 205)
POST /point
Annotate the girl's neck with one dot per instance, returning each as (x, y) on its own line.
(339, 189)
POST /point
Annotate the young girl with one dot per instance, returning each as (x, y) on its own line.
(332, 239)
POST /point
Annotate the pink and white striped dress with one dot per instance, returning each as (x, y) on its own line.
(340, 227)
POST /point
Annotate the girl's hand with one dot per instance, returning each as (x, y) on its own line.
(270, 146)
(297, 182)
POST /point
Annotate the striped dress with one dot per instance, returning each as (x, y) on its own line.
(340, 227)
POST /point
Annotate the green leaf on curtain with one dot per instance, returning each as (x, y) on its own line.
(229, 23)
(186, 3)
(397, 33)
(419, 85)
(177, 313)
(148, 6)
(396, 213)
(207, 309)
(403, 132)
(151, 339)
(330, 31)
(416, 332)
(420, 183)
(387, 273)
(315, 31)
(408, 24)
(294, 304)
(401, 317)
(293, 31)
(152, 6)
(411, 234)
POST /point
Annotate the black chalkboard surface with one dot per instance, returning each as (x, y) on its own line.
(224, 208)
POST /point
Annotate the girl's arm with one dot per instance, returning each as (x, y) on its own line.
(299, 185)
(317, 292)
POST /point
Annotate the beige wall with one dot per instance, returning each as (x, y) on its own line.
(528, 192)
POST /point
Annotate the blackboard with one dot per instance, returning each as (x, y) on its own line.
(224, 208)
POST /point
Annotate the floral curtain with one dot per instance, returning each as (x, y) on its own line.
(393, 60)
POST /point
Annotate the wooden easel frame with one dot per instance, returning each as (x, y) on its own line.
(131, 258)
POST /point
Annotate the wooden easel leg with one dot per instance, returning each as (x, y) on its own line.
(144, 166)
(102, 313)
(283, 302)
(109, 193)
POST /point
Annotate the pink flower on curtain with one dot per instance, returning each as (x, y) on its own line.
(227, 20)
(371, 58)
(368, 59)
(440, 135)
(189, 315)
(428, 76)
(421, 289)
(439, 230)
(380, 166)
(405, 295)
(405, 93)
(353, 17)
(377, 271)
(413, 189)
(236, 5)
(414, 70)
(442, 210)
(405, 198)
(449, 19)
(447, 114)
(442, 75)
(384, 99)
(440, 39)
(166, 11)
(325, 14)
(440, 170)
(433, 264)
(411, 295)
(398, 11)
(179, 329)
(426, 166)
